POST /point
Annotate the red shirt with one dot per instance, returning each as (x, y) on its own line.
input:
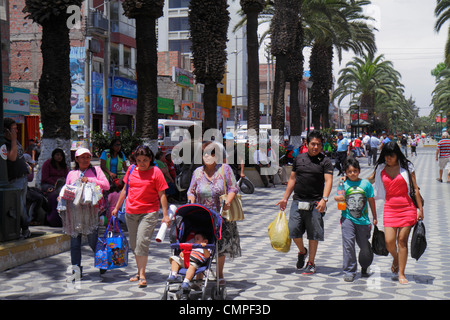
(357, 143)
(143, 190)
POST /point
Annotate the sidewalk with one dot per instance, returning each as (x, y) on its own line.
(263, 273)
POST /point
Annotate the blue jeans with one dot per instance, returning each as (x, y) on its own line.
(75, 246)
(22, 184)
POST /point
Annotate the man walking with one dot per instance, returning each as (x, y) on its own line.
(311, 180)
(443, 154)
(342, 151)
(374, 142)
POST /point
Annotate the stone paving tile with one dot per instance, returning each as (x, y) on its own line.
(263, 273)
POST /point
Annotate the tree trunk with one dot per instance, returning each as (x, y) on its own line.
(210, 105)
(278, 95)
(55, 89)
(253, 71)
(294, 115)
(147, 80)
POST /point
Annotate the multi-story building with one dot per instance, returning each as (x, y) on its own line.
(173, 35)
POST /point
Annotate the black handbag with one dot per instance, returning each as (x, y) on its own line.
(379, 243)
(418, 240)
(412, 192)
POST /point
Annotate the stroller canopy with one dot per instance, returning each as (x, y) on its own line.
(197, 218)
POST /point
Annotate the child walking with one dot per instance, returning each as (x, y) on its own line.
(355, 222)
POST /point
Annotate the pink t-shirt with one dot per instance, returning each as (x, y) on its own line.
(98, 177)
(143, 190)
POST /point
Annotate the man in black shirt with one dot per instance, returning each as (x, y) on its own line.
(17, 170)
(311, 180)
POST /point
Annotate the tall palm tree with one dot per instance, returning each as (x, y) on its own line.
(368, 80)
(252, 8)
(209, 20)
(145, 12)
(342, 26)
(283, 35)
(294, 75)
(54, 84)
(442, 12)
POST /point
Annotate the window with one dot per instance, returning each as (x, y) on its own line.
(183, 46)
(127, 57)
(179, 24)
(114, 54)
(178, 4)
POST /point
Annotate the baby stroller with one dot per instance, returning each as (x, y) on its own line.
(194, 218)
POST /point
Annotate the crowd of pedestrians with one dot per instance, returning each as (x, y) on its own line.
(143, 185)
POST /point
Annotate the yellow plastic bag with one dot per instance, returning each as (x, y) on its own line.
(279, 233)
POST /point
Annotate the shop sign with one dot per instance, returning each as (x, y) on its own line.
(16, 100)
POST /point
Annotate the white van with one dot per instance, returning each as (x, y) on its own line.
(165, 129)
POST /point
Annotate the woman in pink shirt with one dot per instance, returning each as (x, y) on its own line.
(146, 188)
(88, 224)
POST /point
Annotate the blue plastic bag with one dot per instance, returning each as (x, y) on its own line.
(112, 251)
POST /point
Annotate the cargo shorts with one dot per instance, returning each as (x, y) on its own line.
(310, 221)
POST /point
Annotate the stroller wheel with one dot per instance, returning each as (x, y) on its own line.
(218, 293)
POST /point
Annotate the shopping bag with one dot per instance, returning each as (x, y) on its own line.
(379, 243)
(279, 233)
(112, 250)
(418, 240)
(235, 212)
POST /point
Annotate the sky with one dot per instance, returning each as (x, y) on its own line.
(406, 37)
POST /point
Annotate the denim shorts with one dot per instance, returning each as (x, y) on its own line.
(310, 221)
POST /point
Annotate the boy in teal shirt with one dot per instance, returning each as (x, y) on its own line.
(355, 222)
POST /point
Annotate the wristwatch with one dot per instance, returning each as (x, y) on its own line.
(325, 199)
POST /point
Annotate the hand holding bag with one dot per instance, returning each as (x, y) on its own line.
(279, 233)
(379, 243)
(112, 251)
(418, 240)
(235, 212)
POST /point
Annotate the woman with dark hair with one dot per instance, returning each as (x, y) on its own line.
(207, 185)
(53, 177)
(146, 189)
(392, 184)
(113, 161)
(53, 169)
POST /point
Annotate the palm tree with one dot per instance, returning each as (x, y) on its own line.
(54, 84)
(209, 20)
(339, 24)
(294, 74)
(368, 80)
(252, 8)
(145, 12)
(283, 35)
(442, 12)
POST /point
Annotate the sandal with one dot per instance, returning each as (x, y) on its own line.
(440, 180)
(142, 283)
(403, 281)
(394, 269)
(135, 278)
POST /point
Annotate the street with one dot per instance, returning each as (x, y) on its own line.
(263, 273)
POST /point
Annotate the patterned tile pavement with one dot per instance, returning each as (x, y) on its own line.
(263, 273)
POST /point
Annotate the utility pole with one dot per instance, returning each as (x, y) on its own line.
(106, 69)
(87, 85)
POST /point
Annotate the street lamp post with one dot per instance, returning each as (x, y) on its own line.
(309, 84)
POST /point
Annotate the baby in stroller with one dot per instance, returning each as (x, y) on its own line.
(197, 258)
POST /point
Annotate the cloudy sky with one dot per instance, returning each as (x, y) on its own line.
(406, 37)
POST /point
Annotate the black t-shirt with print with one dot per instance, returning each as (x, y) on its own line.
(310, 178)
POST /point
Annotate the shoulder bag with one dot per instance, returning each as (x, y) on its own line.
(412, 192)
(235, 212)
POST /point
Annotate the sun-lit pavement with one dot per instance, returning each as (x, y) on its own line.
(263, 273)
